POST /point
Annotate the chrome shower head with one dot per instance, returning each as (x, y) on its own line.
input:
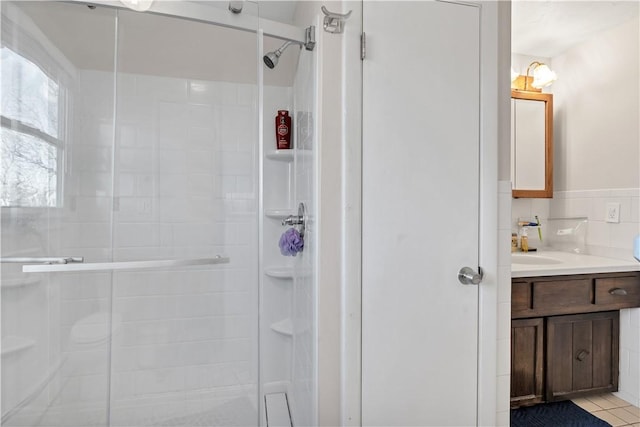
(271, 58)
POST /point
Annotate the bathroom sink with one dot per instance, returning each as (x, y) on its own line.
(533, 259)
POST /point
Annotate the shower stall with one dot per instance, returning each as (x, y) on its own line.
(142, 201)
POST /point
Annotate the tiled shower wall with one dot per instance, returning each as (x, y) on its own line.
(185, 187)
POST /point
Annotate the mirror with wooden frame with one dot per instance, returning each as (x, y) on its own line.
(531, 144)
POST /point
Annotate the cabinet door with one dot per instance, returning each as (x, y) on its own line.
(582, 354)
(527, 356)
(531, 144)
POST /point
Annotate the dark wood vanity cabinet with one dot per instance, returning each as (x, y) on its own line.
(582, 354)
(565, 334)
(527, 358)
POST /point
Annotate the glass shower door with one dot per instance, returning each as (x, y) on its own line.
(185, 178)
(56, 198)
(129, 182)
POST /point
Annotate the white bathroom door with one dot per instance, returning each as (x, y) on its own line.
(421, 141)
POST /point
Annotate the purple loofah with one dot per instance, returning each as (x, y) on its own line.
(291, 242)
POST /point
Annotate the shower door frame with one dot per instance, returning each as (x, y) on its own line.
(212, 15)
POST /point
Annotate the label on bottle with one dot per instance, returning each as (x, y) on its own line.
(283, 130)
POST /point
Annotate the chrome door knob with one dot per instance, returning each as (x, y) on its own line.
(468, 276)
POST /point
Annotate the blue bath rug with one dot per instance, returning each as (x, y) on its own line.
(555, 414)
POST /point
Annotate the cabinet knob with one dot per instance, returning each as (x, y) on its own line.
(618, 291)
(582, 354)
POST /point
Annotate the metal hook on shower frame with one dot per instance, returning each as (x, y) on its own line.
(334, 22)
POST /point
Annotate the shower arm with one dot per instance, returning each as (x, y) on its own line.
(309, 40)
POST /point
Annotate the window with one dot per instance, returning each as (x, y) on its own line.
(31, 145)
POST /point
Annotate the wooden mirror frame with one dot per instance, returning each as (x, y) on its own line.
(547, 192)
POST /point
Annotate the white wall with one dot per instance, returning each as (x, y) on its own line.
(596, 110)
(503, 279)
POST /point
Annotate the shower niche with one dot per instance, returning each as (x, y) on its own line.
(287, 333)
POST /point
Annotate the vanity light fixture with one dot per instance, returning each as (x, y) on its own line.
(542, 75)
(137, 5)
(538, 75)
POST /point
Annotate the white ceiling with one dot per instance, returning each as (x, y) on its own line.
(543, 28)
(155, 45)
(281, 11)
(547, 28)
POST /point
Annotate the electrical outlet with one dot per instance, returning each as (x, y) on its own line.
(613, 212)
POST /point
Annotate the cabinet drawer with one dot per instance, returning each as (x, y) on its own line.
(618, 292)
(562, 296)
(521, 299)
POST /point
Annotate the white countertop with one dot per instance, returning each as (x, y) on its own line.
(564, 263)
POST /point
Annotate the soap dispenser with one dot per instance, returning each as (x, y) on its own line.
(524, 240)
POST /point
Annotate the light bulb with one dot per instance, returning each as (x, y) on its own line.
(543, 76)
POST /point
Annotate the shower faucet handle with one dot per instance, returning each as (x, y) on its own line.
(299, 221)
(293, 220)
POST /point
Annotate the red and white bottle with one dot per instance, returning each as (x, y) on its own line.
(283, 130)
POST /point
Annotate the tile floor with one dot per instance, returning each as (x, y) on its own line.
(612, 409)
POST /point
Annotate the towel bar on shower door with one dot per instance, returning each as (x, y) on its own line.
(42, 260)
(123, 265)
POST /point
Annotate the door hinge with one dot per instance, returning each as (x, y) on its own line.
(363, 46)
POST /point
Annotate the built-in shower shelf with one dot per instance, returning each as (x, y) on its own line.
(279, 272)
(278, 213)
(13, 344)
(284, 327)
(287, 272)
(19, 282)
(280, 155)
